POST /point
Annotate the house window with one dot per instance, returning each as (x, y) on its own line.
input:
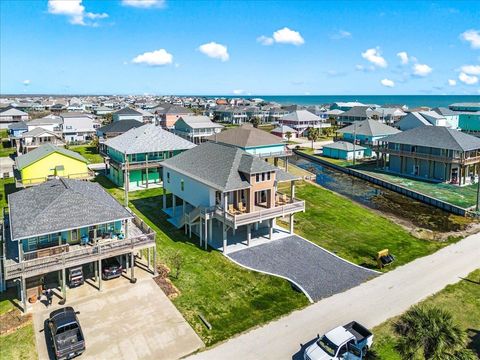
(257, 177)
(268, 176)
(182, 185)
(168, 177)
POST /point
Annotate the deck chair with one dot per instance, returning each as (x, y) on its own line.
(384, 258)
(241, 207)
(284, 198)
(231, 209)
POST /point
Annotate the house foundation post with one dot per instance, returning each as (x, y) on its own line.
(99, 275)
(132, 267)
(174, 203)
(164, 197)
(210, 225)
(249, 234)
(148, 258)
(224, 237)
(206, 231)
(24, 294)
(64, 286)
(154, 261)
(270, 230)
(200, 232)
(291, 224)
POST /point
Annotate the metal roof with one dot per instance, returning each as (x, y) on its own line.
(343, 145)
(22, 161)
(368, 127)
(246, 136)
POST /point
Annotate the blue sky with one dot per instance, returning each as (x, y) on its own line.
(251, 47)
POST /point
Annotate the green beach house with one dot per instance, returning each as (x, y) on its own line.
(137, 155)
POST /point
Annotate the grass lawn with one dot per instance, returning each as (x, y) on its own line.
(462, 299)
(88, 152)
(293, 169)
(19, 344)
(231, 299)
(354, 232)
(7, 186)
(5, 148)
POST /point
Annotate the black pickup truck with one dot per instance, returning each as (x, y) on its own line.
(66, 333)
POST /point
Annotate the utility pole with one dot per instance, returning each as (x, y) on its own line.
(125, 182)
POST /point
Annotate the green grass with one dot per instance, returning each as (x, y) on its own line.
(19, 344)
(461, 299)
(354, 232)
(7, 186)
(231, 299)
(89, 152)
(5, 145)
(6, 300)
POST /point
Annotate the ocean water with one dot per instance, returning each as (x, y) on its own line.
(410, 100)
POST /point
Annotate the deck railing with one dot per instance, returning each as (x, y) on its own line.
(35, 181)
(85, 254)
(425, 156)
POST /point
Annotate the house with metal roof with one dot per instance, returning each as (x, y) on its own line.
(135, 157)
(433, 153)
(226, 195)
(117, 128)
(366, 133)
(196, 128)
(285, 132)
(39, 136)
(168, 116)
(65, 223)
(10, 115)
(47, 161)
(422, 118)
(79, 126)
(451, 116)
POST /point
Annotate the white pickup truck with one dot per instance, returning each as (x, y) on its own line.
(348, 342)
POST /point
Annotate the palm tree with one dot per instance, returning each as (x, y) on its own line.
(288, 135)
(255, 121)
(313, 135)
(431, 333)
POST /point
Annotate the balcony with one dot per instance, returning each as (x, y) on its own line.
(286, 152)
(284, 205)
(23, 183)
(65, 256)
(418, 155)
(134, 165)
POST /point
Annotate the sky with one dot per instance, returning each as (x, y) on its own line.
(239, 47)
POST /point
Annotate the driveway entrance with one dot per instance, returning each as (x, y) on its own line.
(317, 272)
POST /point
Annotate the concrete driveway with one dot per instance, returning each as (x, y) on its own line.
(317, 272)
(129, 322)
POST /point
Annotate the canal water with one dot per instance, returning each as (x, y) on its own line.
(381, 199)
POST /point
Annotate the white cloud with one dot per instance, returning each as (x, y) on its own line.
(375, 57)
(214, 50)
(359, 67)
(468, 79)
(473, 37)
(387, 83)
(26, 82)
(421, 70)
(471, 69)
(238, 92)
(265, 40)
(403, 57)
(452, 82)
(287, 36)
(75, 11)
(342, 34)
(158, 57)
(144, 3)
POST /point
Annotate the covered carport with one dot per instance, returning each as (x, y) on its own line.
(317, 272)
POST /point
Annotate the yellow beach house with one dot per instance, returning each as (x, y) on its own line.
(48, 161)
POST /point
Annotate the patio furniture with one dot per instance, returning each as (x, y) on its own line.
(384, 258)
(242, 207)
(231, 209)
(84, 240)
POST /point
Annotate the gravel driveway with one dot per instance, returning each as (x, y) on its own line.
(318, 272)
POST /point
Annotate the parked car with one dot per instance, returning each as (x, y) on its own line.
(348, 342)
(66, 333)
(75, 276)
(111, 268)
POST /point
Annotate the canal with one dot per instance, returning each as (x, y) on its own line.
(388, 202)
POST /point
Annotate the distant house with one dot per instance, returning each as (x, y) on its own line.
(343, 150)
(366, 133)
(127, 114)
(471, 106)
(301, 120)
(225, 191)
(117, 128)
(451, 116)
(37, 137)
(10, 115)
(147, 117)
(79, 127)
(6, 167)
(169, 116)
(434, 153)
(52, 123)
(358, 113)
(282, 131)
(254, 141)
(48, 161)
(345, 106)
(102, 110)
(231, 114)
(468, 116)
(423, 118)
(137, 155)
(196, 128)
(16, 129)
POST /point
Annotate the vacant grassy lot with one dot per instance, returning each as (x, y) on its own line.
(461, 299)
(231, 298)
(89, 152)
(354, 232)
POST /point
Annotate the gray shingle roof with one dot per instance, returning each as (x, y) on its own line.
(246, 136)
(436, 137)
(59, 205)
(120, 126)
(127, 111)
(369, 128)
(220, 166)
(343, 145)
(18, 126)
(148, 138)
(38, 131)
(42, 151)
(300, 115)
